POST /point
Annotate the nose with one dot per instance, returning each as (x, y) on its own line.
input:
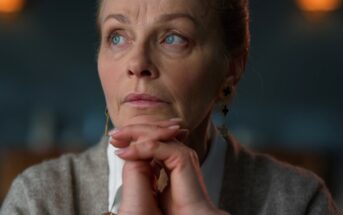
(140, 64)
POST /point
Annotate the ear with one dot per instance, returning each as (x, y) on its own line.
(231, 79)
(235, 71)
(227, 90)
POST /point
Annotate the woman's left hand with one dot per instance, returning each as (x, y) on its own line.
(186, 192)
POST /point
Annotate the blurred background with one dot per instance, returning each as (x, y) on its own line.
(289, 103)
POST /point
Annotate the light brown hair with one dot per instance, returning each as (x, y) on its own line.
(234, 22)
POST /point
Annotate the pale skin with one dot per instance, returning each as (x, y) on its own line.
(170, 50)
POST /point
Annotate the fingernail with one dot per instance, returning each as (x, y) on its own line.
(174, 127)
(175, 119)
(112, 141)
(120, 151)
(112, 132)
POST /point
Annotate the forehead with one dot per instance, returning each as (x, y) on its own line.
(149, 10)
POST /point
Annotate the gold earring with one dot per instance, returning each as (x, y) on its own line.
(107, 122)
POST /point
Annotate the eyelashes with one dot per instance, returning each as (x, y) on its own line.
(116, 38)
(120, 39)
(172, 39)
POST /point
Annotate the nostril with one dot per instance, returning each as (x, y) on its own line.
(145, 73)
(131, 73)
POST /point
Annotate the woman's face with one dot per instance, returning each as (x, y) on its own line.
(159, 59)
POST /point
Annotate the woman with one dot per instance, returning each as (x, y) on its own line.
(163, 65)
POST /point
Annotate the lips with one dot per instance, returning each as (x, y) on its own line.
(143, 99)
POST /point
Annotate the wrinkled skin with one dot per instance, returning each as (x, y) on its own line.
(170, 50)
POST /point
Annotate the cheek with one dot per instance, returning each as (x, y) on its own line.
(194, 88)
(109, 73)
(110, 76)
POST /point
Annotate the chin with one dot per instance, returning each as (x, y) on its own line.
(143, 117)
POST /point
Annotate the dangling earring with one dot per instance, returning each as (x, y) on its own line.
(226, 92)
(107, 122)
(225, 110)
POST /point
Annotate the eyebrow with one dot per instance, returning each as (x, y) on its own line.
(169, 17)
(164, 18)
(119, 17)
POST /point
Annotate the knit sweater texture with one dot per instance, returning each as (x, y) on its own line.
(253, 184)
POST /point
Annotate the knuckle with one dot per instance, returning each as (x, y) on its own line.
(184, 157)
(151, 145)
(155, 132)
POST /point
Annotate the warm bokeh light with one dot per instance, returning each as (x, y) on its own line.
(319, 5)
(10, 6)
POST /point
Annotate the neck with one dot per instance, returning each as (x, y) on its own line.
(200, 138)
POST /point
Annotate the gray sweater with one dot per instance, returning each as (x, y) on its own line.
(253, 184)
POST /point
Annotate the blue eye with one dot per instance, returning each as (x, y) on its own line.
(117, 39)
(174, 39)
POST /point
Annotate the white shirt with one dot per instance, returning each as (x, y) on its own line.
(212, 170)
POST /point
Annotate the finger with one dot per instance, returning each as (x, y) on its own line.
(169, 153)
(134, 132)
(180, 161)
(168, 123)
(118, 143)
(125, 139)
(163, 123)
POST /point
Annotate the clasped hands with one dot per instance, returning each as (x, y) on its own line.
(145, 148)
